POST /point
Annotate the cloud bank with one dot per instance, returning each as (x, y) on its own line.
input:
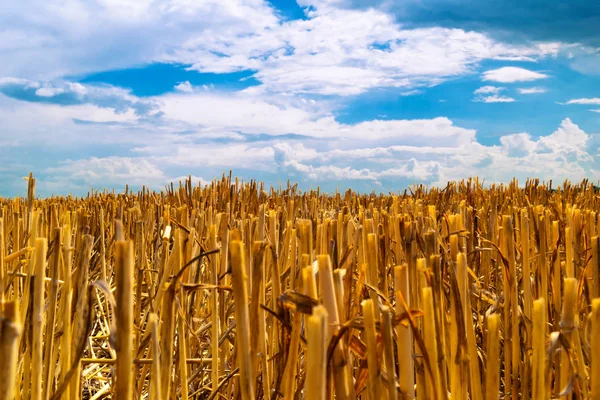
(289, 122)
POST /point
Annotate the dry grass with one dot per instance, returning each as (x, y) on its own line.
(232, 291)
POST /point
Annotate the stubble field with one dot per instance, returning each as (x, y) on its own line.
(234, 290)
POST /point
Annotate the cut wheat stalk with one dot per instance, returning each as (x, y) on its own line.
(124, 265)
(342, 389)
(404, 341)
(240, 289)
(37, 317)
(492, 379)
(316, 371)
(374, 385)
(467, 260)
(539, 350)
(10, 331)
(388, 344)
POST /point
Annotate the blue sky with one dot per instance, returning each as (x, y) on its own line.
(369, 94)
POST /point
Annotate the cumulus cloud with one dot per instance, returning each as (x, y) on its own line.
(196, 180)
(269, 137)
(184, 87)
(518, 144)
(568, 134)
(332, 172)
(276, 137)
(565, 153)
(512, 74)
(365, 156)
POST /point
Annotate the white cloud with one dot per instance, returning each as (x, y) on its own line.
(533, 90)
(568, 134)
(73, 93)
(410, 169)
(330, 172)
(95, 170)
(440, 130)
(298, 152)
(193, 133)
(219, 156)
(195, 180)
(496, 99)
(518, 144)
(55, 38)
(512, 74)
(333, 53)
(596, 111)
(481, 95)
(372, 154)
(488, 90)
(15, 112)
(49, 91)
(63, 128)
(565, 153)
(594, 101)
(254, 114)
(12, 81)
(184, 87)
(207, 132)
(187, 87)
(105, 172)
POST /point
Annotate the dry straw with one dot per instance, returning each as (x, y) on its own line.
(236, 290)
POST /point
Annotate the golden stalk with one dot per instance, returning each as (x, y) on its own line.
(155, 379)
(430, 342)
(240, 291)
(124, 264)
(492, 377)
(374, 385)
(316, 369)
(41, 248)
(539, 350)
(595, 349)
(10, 331)
(388, 344)
(342, 389)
